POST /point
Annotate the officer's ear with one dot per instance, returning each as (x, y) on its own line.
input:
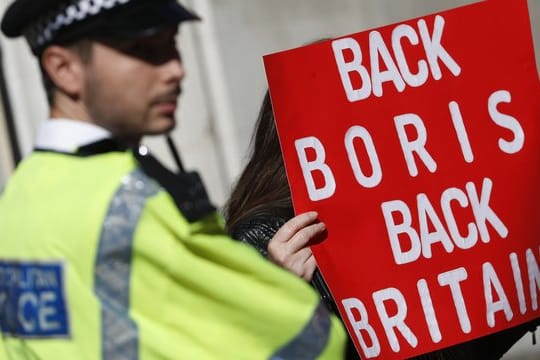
(65, 68)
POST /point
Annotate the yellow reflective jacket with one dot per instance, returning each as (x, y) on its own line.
(3, 354)
(97, 262)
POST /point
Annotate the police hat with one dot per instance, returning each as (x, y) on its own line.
(46, 22)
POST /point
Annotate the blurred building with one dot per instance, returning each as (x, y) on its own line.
(225, 83)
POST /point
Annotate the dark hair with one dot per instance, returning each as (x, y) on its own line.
(83, 48)
(262, 188)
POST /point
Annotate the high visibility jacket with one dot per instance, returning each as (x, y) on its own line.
(3, 354)
(97, 261)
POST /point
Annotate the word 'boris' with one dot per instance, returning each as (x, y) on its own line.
(410, 148)
(397, 72)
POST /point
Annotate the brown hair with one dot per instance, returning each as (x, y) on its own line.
(262, 188)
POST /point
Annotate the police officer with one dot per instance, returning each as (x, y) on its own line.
(104, 253)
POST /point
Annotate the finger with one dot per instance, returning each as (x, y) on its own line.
(281, 254)
(299, 263)
(302, 256)
(278, 252)
(304, 269)
(309, 268)
(304, 236)
(291, 227)
(297, 260)
(286, 253)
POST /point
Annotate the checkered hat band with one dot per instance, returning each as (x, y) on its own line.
(44, 29)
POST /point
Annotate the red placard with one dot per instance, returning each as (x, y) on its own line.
(418, 144)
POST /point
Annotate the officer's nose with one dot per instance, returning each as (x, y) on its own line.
(174, 69)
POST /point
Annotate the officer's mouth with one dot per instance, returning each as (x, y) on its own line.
(166, 107)
(166, 104)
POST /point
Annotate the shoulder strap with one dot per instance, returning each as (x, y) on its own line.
(186, 188)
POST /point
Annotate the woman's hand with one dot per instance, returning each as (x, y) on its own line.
(289, 248)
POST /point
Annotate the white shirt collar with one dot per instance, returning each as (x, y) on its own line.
(66, 135)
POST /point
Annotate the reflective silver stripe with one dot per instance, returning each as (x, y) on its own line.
(119, 334)
(311, 342)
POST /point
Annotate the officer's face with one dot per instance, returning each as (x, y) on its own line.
(131, 86)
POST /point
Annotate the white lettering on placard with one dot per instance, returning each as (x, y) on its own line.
(413, 138)
(399, 250)
(518, 281)
(452, 279)
(506, 121)
(461, 132)
(378, 50)
(483, 212)
(362, 325)
(427, 218)
(408, 244)
(418, 146)
(347, 67)
(429, 311)
(396, 321)
(391, 306)
(491, 282)
(308, 167)
(534, 278)
(434, 49)
(406, 31)
(455, 194)
(398, 74)
(359, 132)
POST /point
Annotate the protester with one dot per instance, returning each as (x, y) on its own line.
(105, 253)
(259, 207)
(259, 211)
